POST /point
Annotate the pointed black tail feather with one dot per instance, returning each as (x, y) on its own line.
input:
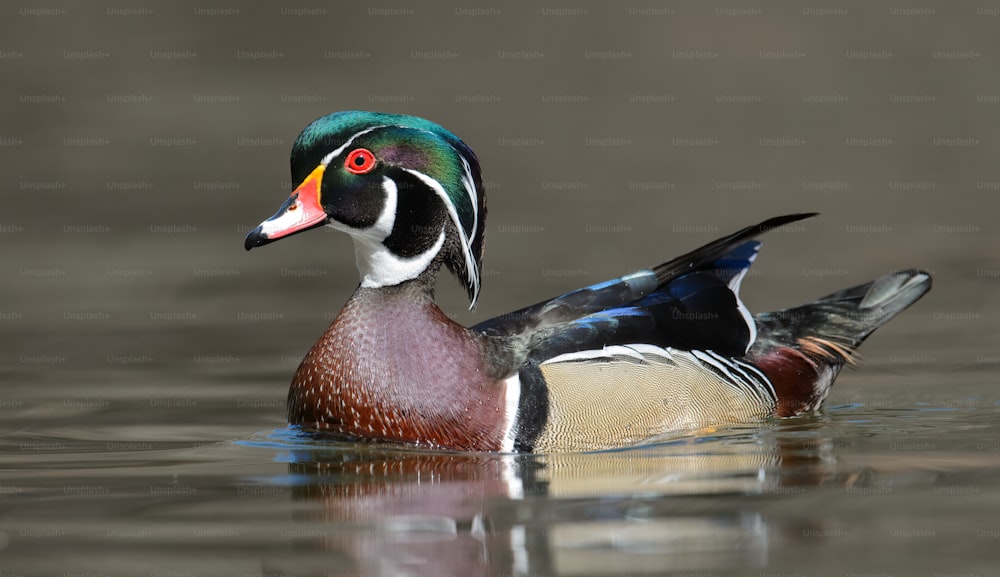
(802, 349)
(718, 248)
(843, 319)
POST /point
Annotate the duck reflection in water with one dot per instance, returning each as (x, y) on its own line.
(398, 511)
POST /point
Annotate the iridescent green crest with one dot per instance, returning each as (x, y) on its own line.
(426, 150)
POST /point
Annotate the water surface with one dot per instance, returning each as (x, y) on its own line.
(145, 357)
(180, 464)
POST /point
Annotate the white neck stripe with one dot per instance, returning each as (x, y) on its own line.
(377, 265)
(370, 251)
(470, 261)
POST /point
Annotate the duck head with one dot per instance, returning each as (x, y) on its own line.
(408, 191)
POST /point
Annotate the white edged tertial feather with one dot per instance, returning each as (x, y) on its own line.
(741, 379)
(637, 352)
(652, 351)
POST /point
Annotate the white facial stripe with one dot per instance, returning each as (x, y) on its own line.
(368, 247)
(329, 157)
(377, 265)
(512, 399)
(383, 226)
(470, 261)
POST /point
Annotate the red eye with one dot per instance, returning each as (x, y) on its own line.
(360, 161)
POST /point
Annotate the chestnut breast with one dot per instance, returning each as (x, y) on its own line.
(396, 368)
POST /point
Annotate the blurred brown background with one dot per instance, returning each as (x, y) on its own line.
(140, 142)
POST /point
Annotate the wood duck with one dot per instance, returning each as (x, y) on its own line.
(662, 351)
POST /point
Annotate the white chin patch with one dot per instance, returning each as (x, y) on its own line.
(378, 266)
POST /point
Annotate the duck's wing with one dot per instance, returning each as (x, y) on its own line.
(617, 395)
(667, 362)
(654, 352)
(690, 302)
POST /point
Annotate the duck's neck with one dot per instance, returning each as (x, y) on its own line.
(380, 267)
(393, 365)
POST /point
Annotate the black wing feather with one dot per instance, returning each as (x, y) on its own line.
(626, 291)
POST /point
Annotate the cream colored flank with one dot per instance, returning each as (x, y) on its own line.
(625, 395)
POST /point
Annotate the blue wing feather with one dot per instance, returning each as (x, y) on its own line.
(698, 310)
(690, 302)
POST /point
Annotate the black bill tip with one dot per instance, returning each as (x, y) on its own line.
(255, 238)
